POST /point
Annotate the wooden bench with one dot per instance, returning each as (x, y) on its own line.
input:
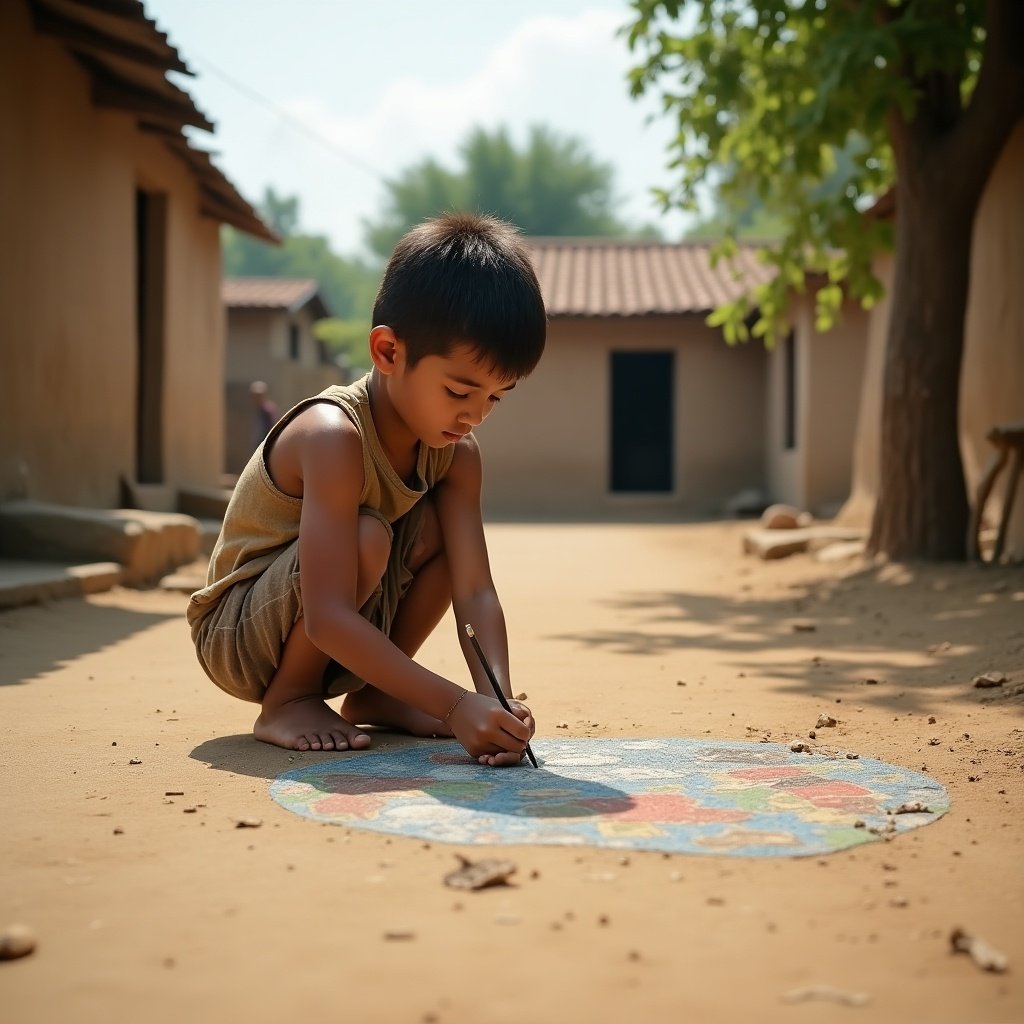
(1009, 444)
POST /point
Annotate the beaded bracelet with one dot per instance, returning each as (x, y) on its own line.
(455, 705)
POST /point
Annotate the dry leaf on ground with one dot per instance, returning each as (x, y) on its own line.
(987, 957)
(480, 874)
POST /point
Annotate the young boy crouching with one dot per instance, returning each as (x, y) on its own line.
(356, 523)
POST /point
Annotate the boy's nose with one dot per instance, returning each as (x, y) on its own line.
(473, 416)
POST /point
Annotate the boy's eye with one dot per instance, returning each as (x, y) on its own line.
(455, 394)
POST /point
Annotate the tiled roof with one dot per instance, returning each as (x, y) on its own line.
(608, 277)
(290, 293)
(127, 59)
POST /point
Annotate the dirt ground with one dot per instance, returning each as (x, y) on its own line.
(155, 907)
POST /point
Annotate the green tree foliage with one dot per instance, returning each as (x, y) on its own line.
(746, 217)
(769, 93)
(347, 285)
(552, 186)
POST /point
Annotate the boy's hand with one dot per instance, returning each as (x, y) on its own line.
(488, 732)
(523, 713)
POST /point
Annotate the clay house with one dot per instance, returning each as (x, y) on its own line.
(640, 408)
(270, 340)
(110, 289)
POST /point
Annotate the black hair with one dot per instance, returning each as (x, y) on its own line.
(464, 279)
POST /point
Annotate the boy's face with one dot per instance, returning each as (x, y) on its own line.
(442, 398)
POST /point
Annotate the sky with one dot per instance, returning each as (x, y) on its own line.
(328, 99)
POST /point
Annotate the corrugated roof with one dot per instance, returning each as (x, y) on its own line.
(127, 58)
(288, 293)
(607, 277)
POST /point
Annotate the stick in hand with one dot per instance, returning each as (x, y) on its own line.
(494, 682)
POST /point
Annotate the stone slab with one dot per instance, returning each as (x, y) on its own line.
(23, 582)
(145, 544)
(769, 544)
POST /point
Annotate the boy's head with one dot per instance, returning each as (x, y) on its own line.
(464, 279)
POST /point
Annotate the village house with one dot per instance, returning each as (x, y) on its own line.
(270, 340)
(110, 289)
(111, 318)
(640, 408)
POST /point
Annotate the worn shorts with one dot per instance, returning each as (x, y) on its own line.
(240, 642)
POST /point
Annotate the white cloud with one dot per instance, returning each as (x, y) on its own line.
(565, 72)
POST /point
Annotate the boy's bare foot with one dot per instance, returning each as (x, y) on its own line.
(307, 723)
(370, 706)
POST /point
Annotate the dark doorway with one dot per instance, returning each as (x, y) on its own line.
(789, 392)
(150, 274)
(642, 417)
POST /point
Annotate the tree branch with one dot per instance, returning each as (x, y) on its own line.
(998, 100)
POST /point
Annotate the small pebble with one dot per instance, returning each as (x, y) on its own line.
(989, 680)
(16, 940)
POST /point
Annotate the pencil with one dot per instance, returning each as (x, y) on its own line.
(494, 682)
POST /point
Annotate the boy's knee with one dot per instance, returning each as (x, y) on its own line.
(374, 551)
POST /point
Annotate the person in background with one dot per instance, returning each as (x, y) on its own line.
(266, 411)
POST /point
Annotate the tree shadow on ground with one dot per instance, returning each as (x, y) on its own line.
(903, 627)
(73, 627)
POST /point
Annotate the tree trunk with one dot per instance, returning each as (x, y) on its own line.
(922, 507)
(944, 156)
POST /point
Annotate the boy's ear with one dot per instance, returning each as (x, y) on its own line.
(386, 349)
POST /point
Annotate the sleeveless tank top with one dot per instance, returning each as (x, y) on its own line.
(262, 520)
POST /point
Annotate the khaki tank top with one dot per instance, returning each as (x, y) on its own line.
(262, 520)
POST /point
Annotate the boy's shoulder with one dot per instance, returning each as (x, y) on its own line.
(320, 440)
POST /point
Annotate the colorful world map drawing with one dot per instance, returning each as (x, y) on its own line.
(676, 795)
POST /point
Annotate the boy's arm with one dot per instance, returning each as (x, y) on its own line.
(474, 598)
(328, 455)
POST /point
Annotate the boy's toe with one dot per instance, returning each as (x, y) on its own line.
(339, 741)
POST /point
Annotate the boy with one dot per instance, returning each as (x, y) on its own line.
(357, 521)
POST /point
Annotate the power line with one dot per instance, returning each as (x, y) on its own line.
(279, 111)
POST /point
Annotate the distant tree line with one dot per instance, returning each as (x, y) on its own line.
(550, 186)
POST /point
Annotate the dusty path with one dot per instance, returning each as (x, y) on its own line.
(156, 907)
